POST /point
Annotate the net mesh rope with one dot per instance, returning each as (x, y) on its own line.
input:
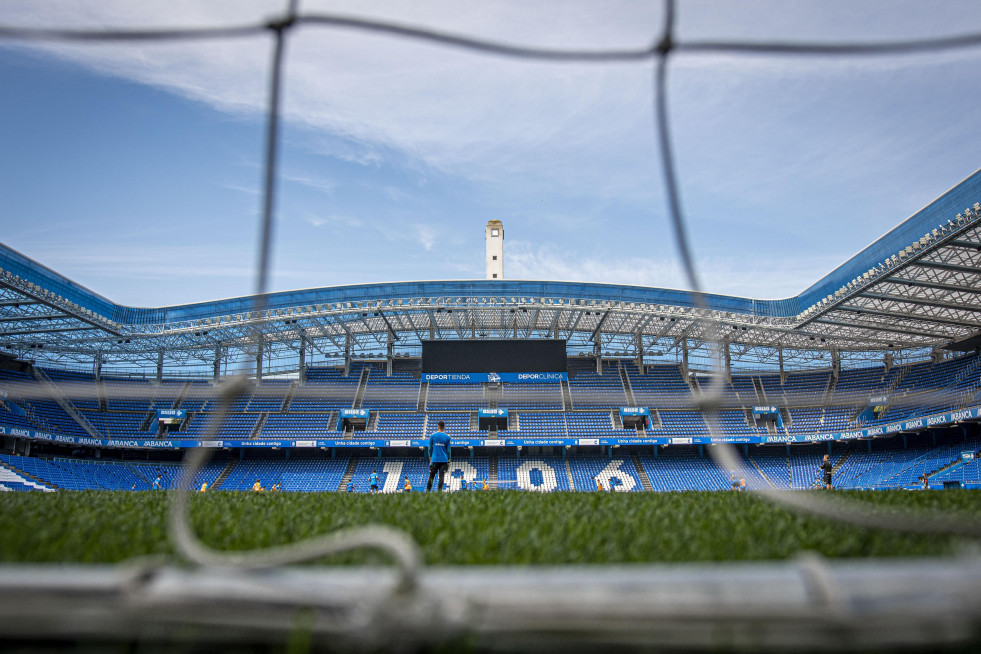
(663, 47)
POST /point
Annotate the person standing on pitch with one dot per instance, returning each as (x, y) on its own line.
(826, 469)
(439, 455)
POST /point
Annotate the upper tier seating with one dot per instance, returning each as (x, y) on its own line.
(592, 391)
(660, 387)
(123, 408)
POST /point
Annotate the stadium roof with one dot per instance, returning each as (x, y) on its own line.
(914, 290)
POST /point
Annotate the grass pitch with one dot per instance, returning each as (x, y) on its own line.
(496, 527)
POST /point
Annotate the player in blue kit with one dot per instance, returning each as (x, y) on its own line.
(439, 455)
(373, 478)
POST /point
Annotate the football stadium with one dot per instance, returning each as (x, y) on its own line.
(630, 467)
(543, 386)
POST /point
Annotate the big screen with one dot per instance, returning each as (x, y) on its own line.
(545, 355)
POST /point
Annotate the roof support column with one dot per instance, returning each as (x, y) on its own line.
(217, 366)
(598, 352)
(835, 363)
(684, 359)
(728, 349)
(887, 360)
(97, 370)
(347, 355)
(302, 367)
(160, 365)
(258, 359)
(783, 375)
(640, 352)
(389, 354)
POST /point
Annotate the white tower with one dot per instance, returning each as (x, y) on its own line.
(494, 238)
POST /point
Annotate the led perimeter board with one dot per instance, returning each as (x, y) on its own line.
(539, 355)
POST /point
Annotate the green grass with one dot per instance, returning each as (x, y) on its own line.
(466, 528)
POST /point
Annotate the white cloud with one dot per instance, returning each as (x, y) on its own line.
(248, 190)
(474, 115)
(578, 129)
(165, 275)
(774, 146)
(316, 221)
(426, 235)
(771, 277)
(318, 184)
(525, 261)
(333, 220)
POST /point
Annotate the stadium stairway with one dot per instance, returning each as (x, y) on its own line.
(100, 389)
(348, 474)
(260, 423)
(568, 471)
(138, 473)
(181, 395)
(763, 474)
(224, 474)
(903, 372)
(62, 401)
(290, 394)
(566, 396)
(829, 390)
(362, 386)
(492, 470)
(944, 468)
(645, 481)
(35, 481)
(147, 421)
(627, 388)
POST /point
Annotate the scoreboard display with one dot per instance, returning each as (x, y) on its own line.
(540, 355)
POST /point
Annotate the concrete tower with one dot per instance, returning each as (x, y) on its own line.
(494, 238)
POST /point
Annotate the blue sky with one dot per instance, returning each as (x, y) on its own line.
(135, 171)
